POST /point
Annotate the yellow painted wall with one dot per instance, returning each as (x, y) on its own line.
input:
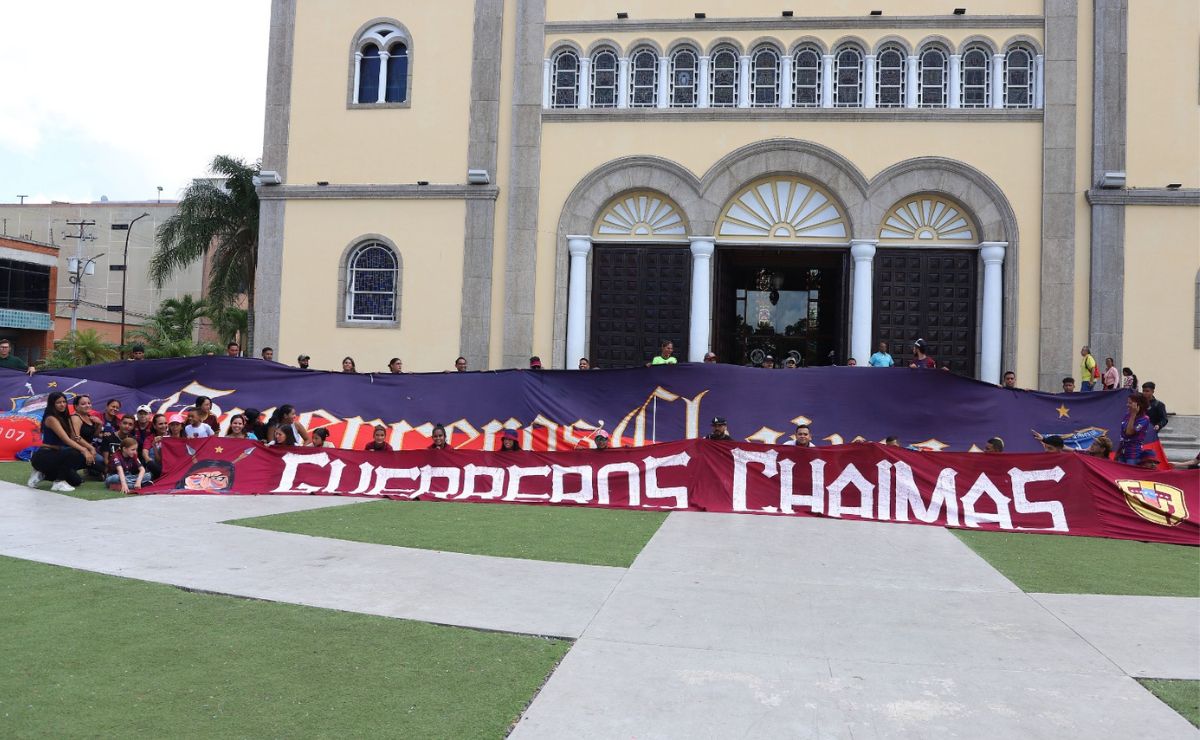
(1012, 158)
(429, 235)
(427, 141)
(1162, 257)
(575, 10)
(1164, 93)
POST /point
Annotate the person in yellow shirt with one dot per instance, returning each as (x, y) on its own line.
(666, 355)
(1088, 374)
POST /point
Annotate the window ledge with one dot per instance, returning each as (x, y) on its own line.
(378, 106)
(348, 324)
(973, 115)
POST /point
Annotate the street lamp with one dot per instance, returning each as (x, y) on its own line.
(125, 272)
(78, 267)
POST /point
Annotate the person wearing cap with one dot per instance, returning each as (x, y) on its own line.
(602, 440)
(302, 362)
(1148, 459)
(175, 424)
(1053, 443)
(508, 441)
(720, 430)
(137, 352)
(143, 426)
(920, 359)
(789, 363)
(535, 363)
(768, 363)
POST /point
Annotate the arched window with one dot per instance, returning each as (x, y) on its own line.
(764, 78)
(372, 283)
(684, 77)
(724, 86)
(604, 79)
(848, 77)
(643, 71)
(397, 74)
(1018, 77)
(806, 77)
(565, 80)
(890, 79)
(976, 77)
(382, 65)
(931, 81)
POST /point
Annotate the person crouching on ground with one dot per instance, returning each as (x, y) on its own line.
(61, 455)
(128, 471)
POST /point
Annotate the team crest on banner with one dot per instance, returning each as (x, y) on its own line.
(1155, 502)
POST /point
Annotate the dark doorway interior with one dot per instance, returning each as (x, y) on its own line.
(641, 295)
(780, 302)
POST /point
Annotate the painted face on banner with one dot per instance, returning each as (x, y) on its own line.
(210, 476)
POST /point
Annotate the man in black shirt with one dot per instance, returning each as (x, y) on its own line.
(1155, 409)
(720, 431)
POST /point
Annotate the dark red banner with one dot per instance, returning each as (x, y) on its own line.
(1063, 493)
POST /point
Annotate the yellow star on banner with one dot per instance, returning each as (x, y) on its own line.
(1063, 412)
(52, 384)
(218, 450)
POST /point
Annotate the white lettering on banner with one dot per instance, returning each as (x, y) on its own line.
(366, 473)
(516, 473)
(335, 476)
(558, 492)
(883, 500)
(741, 461)
(972, 517)
(429, 473)
(383, 476)
(472, 473)
(944, 496)
(866, 494)
(679, 493)
(1021, 478)
(633, 477)
(291, 464)
(551, 433)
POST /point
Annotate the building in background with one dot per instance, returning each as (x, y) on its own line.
(569, 179)
(100, 293)
(28, 272)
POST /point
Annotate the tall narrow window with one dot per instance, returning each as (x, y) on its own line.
(764, 78)
(684, 74)
(604, 79)
(371, 283)
(724, 86)
(976, 77)
(368, 75)
(565, 80)
(397, 76)
(848, 77)
(1018, 78)
(889, 77)
(806, 78)
(931, 90)
(643, 69)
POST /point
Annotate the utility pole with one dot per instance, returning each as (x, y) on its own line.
(79, 266)
(22, 197)
(125, 273)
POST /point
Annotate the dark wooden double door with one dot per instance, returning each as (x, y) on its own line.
(641, 296)
(929, 294)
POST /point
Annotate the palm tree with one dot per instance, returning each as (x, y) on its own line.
(223, 217)
(230, 323)
(79, 348)
(168, 332)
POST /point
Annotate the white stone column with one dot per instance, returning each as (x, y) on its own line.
(358, 57)
(383, 65)
(785, 82)
(546, 92)
(997, 90)
(579, 247)
(664, 82)
(702, 84)
(827, 81)
(861, 315)
(700, 327)
(743, 81)
(1039, 87)
(910, 85)
(954, 89)
(869, 81)
(991, 327)
(623, 82)
(583, 86)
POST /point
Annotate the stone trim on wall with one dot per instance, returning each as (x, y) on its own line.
(1144, 197)
(343, 277)
(796, 23)
(639, 115)
(378, 192)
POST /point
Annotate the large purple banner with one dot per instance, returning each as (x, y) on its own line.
(924, 409)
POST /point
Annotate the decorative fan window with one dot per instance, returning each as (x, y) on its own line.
(643, 67)
(565, 80)
(806, 78)
(926, 219)
(1018, 78)
(848, 77)
(784, 207)
(724, 87)
(604, 79)
(976, 77)
(889, 77)
(372, 271)
(931, 91)
(641, 215)
(764, 78)
(684, 76)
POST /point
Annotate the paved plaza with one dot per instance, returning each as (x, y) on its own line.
(724, 626)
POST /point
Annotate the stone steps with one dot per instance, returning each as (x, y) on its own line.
(1181, 438)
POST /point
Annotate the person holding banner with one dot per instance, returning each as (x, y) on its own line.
(61, 454)
(439, 438)
(508, 442)
(1133, 431)
(378, 441)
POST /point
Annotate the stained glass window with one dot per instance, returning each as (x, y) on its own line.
(371, 283)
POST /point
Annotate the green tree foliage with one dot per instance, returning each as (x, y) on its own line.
(230, 323)
(79, 348)
(169, 331)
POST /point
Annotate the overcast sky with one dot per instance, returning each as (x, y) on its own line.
(118, 98)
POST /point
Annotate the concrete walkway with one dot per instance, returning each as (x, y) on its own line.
(724, 626)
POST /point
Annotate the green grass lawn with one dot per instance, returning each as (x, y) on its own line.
(18, 472)
(1057, 564)
(98, 656)
(558, 533)
(1181, 695)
